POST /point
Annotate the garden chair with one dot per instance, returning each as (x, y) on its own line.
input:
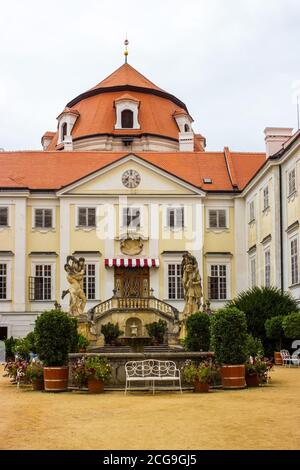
(289, 360)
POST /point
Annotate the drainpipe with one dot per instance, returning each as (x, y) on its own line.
(281, 229)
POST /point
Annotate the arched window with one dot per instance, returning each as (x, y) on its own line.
(127, 119)
(64, 130)
(186, 128)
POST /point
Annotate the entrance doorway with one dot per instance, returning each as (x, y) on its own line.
(132, 282)
(3, 333)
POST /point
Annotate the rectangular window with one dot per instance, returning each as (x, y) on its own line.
(217, 218)
(217, 282)
(40, 285)
(3, 281)
(175, 217)
(251, 211)
(267, 268)
(266, 198)
(3, 216)
(89, 281)
(132, 218)
(294, 261)
(292, 181)
(43, 218)
(87, 217)
(252, 272)
(175, 287)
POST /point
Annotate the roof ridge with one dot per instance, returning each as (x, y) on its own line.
(230, 167)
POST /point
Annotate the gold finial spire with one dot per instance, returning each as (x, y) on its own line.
(126, 42)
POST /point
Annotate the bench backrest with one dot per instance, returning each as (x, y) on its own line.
(150, 368)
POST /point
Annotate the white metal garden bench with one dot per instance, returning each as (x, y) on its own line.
(152, 370)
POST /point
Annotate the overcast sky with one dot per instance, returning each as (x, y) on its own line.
(235, 63)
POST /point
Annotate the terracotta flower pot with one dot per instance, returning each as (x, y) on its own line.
(278, 359)
(252, 380)
(233, 377)
(200, 387)
(95, 385)
(56, 379)
(38, 385)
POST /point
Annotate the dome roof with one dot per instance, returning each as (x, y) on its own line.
(97, 114)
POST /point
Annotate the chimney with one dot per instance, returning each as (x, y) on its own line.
(186, 141)
(275, 138)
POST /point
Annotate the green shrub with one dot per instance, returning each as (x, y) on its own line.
(198, 332)
(56, 336)
(97, 368)
(291, 325)
(111, 332)
(274, 330)
(10, 344)
(229, 336)
(254, 347)
(35, 371)
(261, 303)
(157, 330)
(30, 340)
(21, 349)
(83, 342)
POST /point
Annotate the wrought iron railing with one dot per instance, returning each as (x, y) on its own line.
(135, 303)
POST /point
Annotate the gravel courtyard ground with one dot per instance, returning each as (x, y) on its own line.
(264, 418)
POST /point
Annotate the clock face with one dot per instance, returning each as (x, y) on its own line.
(131, 179)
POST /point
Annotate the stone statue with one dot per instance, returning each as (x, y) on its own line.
(75, 269)
(191, 281)
(134, 330)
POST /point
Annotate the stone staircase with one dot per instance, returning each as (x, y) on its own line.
(107, 349)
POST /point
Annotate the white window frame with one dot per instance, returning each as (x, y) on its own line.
(251, 209)
(43, 229)
(294, 190)
(291, 240)
(252, 274)
(267, 267)
(130, 105)
(125, 227)
(48, 262)
(96, 262)
(220, 262)
(169, 262)
(175, 208)
(88, 227)
(266, 198)
(6, 206)
(8, 279)
(225, 209)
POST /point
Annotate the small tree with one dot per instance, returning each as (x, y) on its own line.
(291, 325)
(274, 330)
(10, 344)
(254, 347)
(55, 336)
(157, 330)
(111, 332)
(229, 336)
(198, 332)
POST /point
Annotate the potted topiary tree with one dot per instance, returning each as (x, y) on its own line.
(291, 325)
(198, 332)
(111, 333)
(157, 331)
(229, 341)
(274, 331)
(55, 337)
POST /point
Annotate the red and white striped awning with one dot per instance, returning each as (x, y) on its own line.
(132, 262)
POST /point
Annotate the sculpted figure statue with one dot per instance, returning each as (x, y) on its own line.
(191, 281)
(75, 269)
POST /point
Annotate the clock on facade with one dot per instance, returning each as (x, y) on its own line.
(131, 179)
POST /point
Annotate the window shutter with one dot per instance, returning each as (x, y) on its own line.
(222, 219)
(3, 216)
(213, 219)
(82, 216)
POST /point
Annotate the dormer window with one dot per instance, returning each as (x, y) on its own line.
(127, 119)
(64, 131)
(127, 112)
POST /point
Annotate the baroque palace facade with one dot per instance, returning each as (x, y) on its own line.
(126, 183)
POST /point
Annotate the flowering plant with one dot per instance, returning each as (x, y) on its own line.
(16, 369)
(35, 371)
(91, 367)
(260, 368)
(203, 373)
